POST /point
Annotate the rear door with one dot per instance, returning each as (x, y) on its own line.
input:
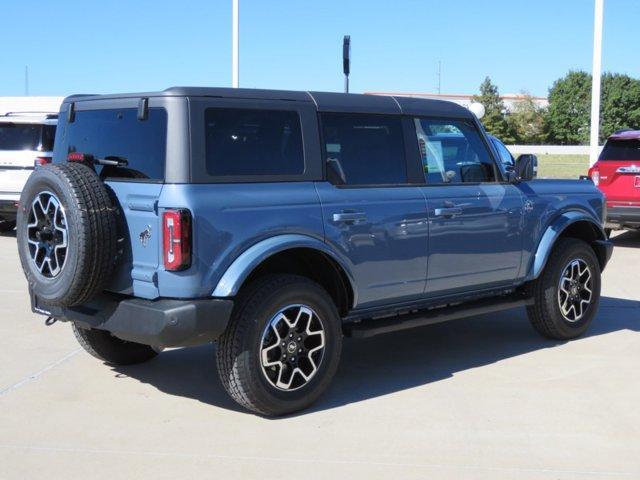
(372, 215)
(114, 131)
(475, 222)
(619, 167)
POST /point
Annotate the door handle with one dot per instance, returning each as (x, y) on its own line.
(349, 217)
(448, 212)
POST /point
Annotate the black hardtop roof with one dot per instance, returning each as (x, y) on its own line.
(324, 101)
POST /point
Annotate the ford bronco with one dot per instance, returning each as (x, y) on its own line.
(276, 222)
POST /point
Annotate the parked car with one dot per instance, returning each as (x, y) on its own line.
(26, 140)
(617, 175)
(275, 222)
(509, 163)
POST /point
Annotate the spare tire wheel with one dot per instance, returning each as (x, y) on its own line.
(67, 233)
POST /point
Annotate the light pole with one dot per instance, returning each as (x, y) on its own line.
(346, 60)
(596, 73)
(235, 45)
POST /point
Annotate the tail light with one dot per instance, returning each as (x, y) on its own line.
(176, 234)
(594, 173)
(39, 161)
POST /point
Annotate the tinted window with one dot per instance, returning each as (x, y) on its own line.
(117, 133)
(621, 150)
(505, 156)
(253, 142)
(48, 135)
(369, 148)
(452, 151)
(17, 136)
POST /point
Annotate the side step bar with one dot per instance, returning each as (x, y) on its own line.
(371, 327)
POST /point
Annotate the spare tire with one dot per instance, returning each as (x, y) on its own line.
(67, 234)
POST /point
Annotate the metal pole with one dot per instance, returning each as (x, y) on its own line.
(26, 80)
(596, 73)
(235, 48)
(346, 84)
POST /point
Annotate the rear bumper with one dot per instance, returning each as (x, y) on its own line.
(162, 322)
(8, 209)
(621, 216)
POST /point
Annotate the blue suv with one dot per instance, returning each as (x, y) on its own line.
(276, 222)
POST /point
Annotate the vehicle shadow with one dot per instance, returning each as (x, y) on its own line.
(630, 238)
(11, 233)
(388, 363)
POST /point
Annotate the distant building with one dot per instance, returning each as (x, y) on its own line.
(510, 100)
(29, 104)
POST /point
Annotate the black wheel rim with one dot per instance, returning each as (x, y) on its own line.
(575, 290)
(292, 347)
(47, 234)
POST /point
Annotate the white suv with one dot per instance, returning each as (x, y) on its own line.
(26, 141)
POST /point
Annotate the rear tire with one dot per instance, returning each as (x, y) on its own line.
(572, 268)
(109, 349)
(285, 329)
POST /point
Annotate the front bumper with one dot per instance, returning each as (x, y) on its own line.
(622, 216)
(162, 323)
(8, 209)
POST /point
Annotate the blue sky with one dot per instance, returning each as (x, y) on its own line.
(74, 46)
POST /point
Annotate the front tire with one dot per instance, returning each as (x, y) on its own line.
(567, 293)
(109, 349)
(282, 346)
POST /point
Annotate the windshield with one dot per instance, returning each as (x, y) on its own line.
(16, 136)
(621, 150)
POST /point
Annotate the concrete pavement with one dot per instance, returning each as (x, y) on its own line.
(482, 398)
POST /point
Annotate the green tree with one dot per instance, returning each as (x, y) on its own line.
(620, 104)
(527, 121)
(494, 120)
(569, 109)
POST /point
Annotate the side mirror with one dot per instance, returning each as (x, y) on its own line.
(526, 167)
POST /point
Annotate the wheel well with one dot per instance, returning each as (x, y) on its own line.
(590, 233)
(314, 265)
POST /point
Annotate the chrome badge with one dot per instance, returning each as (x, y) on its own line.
(145, 235)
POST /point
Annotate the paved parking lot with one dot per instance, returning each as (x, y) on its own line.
(477, 398)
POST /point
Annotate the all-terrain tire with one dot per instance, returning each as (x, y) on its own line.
(107, 348)
(239, 348)
(90, 221)
(545, 314)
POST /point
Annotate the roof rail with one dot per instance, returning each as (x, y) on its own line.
(27, 113)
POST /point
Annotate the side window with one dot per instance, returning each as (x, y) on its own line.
(369, 149)
(505, 156)
(452, 151)
(253, 142)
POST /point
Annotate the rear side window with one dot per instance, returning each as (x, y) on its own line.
(48, 135)
(117, 133)
(19, 136)
(243, 142)
(369, 149)
(621, 150)
(453, 152)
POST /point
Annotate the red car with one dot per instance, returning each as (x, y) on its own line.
(617, 174)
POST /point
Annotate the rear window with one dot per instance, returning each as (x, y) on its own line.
(117, 133)
(20, 136)
(242, 142)
(621, 150)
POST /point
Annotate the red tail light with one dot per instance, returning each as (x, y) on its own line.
(176, 234)
(39, 161)
(594, 173)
